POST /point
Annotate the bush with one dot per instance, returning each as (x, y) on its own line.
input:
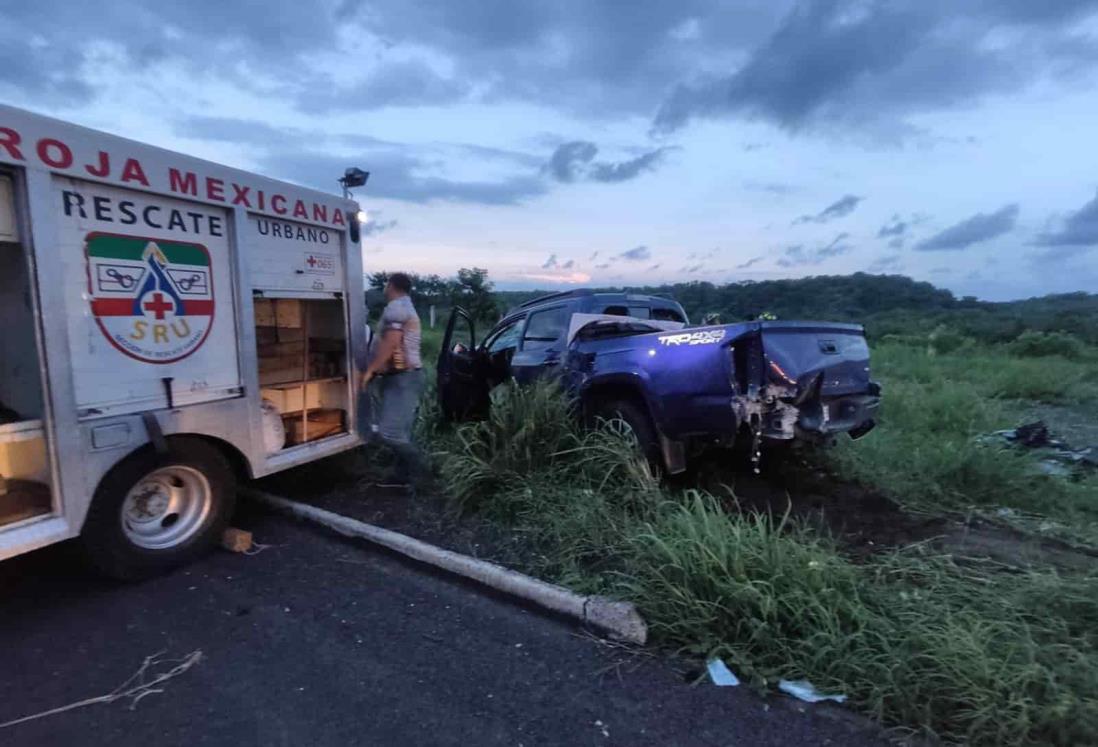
(1032, 344)
(944, 340)
(532, 433)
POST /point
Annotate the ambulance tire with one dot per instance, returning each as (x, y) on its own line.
(141, 485)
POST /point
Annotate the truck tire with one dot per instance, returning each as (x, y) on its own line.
(153, 512)
(637, 425)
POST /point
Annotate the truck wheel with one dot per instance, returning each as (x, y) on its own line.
(633, 422)
(153, 512)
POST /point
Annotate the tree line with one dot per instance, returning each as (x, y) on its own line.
(885, 304)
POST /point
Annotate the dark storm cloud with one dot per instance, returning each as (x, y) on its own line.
(399, 83)
(842, 207)
(375, 227)
(979, 227)
(400, 176)
(1078, 229)
(889, 263)
(636, 254)
(242, 131)
(596, 58)
(550, 263)
(749, 263)
(568, 160)
(568, 265)
(798, 256)
(51, 72)
(894, 228)
(774, 188)
(654, 267)
(575, 161)
(849, 62)
(842, 62)
(235, 39)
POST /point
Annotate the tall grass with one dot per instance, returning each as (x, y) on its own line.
(966, 653)
(533, 432)
(912, 639)
(930, 448)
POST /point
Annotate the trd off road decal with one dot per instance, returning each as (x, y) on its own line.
(153, 299)
(704, 337)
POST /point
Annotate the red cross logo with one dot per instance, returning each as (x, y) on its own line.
(158, 305)
(311, 261)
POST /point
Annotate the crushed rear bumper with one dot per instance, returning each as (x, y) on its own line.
(816, 417)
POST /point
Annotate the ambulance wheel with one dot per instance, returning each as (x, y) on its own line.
(153, 512)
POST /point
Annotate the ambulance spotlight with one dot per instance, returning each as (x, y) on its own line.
(353, 177)
(363, 217)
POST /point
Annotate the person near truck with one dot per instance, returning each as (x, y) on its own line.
(397, 369)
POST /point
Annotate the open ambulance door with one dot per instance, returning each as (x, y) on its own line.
(462, 378)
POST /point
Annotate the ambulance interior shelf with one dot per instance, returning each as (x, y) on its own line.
(302, 355)
(24, 460)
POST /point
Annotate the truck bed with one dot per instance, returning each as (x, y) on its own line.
(780, 380)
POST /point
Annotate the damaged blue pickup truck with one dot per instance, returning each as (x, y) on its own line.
(634, 358)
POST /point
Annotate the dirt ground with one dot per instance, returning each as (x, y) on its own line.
(862, 521)
(865, 522)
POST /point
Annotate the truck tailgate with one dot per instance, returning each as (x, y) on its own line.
(830, 358)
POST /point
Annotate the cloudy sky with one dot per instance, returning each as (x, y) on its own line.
(624, 141)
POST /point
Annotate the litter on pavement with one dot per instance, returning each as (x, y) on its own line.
(806, 691)
(720, 674)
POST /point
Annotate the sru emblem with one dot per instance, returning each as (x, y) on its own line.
(153, 300)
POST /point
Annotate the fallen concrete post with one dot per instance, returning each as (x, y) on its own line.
(619, 619)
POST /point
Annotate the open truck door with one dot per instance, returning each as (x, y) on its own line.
(462, 376)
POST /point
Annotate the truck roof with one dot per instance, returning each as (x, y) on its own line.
(36, 142)
(596, 297)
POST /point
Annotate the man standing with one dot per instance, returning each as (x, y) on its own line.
(397, 367)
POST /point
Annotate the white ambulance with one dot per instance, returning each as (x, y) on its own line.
(168, 324)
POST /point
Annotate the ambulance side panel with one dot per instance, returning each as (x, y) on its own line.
(151, 322)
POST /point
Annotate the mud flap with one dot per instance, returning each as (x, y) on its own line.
(674, 455)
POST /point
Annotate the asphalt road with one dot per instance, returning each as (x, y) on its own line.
(321, 641)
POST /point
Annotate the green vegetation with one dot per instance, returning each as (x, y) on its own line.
(969, 653)
(964, 649)
(885, 304)
(927, 451)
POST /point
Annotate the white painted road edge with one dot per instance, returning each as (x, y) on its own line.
(619, 619)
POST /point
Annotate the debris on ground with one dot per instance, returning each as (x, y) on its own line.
(149, 679)
(720, 674)
(1057, 457)
(806, 691)
(236, 540)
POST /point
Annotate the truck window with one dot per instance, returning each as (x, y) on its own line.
(545, 328)
(637, 312)
(505, 338)
(667, 315)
